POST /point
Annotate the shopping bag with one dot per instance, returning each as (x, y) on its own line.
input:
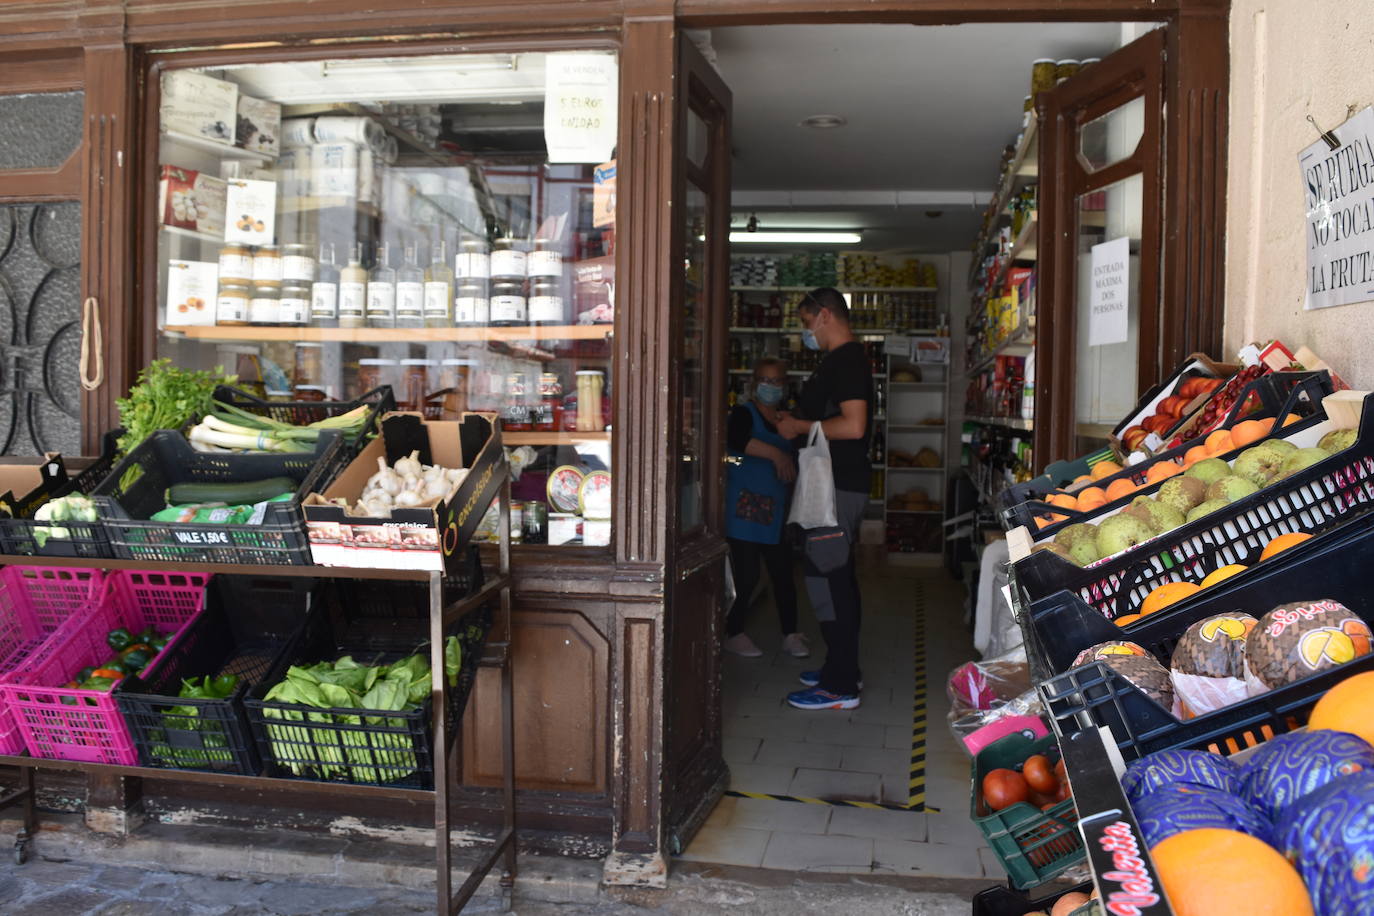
(827, 548)
(813, 502)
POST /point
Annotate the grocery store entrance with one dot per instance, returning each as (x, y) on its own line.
(855, 167)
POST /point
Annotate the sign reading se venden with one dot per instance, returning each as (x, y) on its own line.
(1339, 186)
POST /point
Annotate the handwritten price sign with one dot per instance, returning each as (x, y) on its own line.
(580, 92)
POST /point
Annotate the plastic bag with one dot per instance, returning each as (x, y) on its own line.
(813, 502)
(992, 698)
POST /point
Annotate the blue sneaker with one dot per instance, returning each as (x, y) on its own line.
(813, 679)
(816, 698)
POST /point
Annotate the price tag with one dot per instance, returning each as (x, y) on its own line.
(580, 106)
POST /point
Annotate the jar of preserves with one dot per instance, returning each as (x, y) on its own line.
(549, 413)
(471, 307)
(231, 306)
(454, 377)
(545, 260)
(415, 383)
(267, 266)
(1064, 69)
(264, 307)
(473, 261)
(508, 307)
(298, 263)
(546, 302)
(374, 372)
(590, 384)
(515, 417)
(236, 264)
(309, 365)
(507, 259)
(295, 304)
(1042, 75)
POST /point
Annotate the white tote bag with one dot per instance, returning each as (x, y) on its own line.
(813, 503)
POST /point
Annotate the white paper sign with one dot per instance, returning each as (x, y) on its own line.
(1339, 189)
(580, 103)
(1110, 299)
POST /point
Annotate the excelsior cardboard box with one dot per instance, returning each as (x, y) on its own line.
(28, 482)
(199, 105)
(423, 537)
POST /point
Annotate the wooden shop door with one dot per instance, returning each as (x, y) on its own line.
(694, 768)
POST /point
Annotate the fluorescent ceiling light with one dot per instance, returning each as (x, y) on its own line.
(800, 237)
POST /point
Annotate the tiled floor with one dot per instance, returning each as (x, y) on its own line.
(861, 755)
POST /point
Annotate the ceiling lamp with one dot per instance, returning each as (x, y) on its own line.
(823, 122)
(797, 237)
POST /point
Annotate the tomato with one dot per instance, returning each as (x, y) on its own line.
(1038, 774)
(1004, 788)
(1059, 772)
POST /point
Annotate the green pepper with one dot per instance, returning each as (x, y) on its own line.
(84, 673)
(119, 639)
(137, 659)
(147, 634)
(117, 664)
(103, 684)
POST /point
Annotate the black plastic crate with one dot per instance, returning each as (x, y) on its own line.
(243, 641)
(1003, 901)
(1279, 394)
(381, 400)
(380, 747)
(18, 536)
(137, 488)
(1094, 695)
(1316, 499)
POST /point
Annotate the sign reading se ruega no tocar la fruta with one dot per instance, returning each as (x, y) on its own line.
(1339, 187)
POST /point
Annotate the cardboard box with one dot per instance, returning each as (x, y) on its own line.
(188, 199)
(419, 538)
(191, 290)
(28, 482)
(250, 212)
(594, 290)
(258, 125)
(199, 106)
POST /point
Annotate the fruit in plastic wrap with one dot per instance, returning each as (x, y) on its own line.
(1301, 638)
(1208, 665)
(1329, 837)
(1290, 766)
(1177, 765)
(1149, 676)
(1179, 807)
(1104, 649)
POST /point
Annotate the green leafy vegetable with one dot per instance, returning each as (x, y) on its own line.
(165, 397)
(189, 739)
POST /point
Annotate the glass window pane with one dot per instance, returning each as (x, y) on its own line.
(40, 327)
(698, 139)
(1106, 389)
(42, 129)
(1114, 136)
(444, 225)
(691, 499)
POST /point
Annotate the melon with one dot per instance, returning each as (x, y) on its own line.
(1290, 766)
(1211, 872)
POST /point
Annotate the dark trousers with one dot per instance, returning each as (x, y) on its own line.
(746, 560)
(835, 597)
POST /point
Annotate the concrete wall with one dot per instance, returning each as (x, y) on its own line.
(1289, 60)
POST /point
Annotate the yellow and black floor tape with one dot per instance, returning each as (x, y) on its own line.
(916, 784)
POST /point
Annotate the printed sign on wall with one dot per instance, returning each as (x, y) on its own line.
(1339, 189)
(580, 104)
(1110, 300)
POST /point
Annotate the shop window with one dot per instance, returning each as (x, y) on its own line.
(42, 129)
(1113, 137)
(40, 334)
(1106, 377)
(692, 450)
(441, 224)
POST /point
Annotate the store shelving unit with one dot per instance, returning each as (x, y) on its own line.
(259, 333)
(496, 655)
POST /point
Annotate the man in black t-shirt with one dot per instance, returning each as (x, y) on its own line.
(839, 394)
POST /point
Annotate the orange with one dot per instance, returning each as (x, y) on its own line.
(1224, 572)
(1167, 594)
(1126, 620)
(1345, 707)
(1105, 469)
(1119, 488)
(1054, 519)
(1162, 470)
(1063, 500)
(1082, 478)
(1290, 419)
(1281, 543)
(1247, 431)
(1219, 441)
(1211, 871)
(1091, 493)
(1090, 502)
(1194, 455)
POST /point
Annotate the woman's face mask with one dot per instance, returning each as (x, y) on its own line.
(769, 393)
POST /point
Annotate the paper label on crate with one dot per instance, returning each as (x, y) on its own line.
(250, 212)
(580, 106)
(1110, 297)
(1338, 187)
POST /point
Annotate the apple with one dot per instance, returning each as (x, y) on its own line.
(1133, 436)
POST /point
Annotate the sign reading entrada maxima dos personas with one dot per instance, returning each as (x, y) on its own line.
(1339, 188)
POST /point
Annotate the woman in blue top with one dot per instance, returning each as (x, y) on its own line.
(757, 491)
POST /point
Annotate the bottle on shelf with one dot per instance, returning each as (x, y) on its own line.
(439, 289)
(410, 291)
(324, 292)
(879, 453)
(381, 292)
(353, 291)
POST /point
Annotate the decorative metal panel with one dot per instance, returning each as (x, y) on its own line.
(40, 328)
(41, 129)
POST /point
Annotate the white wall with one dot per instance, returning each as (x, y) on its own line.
(1289, 60)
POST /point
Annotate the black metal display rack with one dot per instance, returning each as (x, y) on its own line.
(496, 654)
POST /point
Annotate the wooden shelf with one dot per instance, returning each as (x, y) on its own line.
(178, 232)
(1094, 430)
(553, 438)
(915, 427)
(843, 289)
(1024, 167)
(1008, 422)
(1020, 343)
(255, 333)
(173, 139)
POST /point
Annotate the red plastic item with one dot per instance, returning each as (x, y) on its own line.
(85, 725)
(34, 602)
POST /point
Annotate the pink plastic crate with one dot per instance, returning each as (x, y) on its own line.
(34, 602)
(85, 725)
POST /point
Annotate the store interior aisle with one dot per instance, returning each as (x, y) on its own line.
(863, 755)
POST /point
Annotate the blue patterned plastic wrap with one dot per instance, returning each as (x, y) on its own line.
(1194, 768)
(1179, 807)
(1290, 766)
(1329, 837)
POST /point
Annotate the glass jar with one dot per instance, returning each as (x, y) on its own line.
(297, 263)
(507, 260)
(515, 417)
(545, 260)
(267, 266)
(549, 413)
(473, 261)
(471, 307)
(1064, 69)
(295, 304)
(265, 305)
(310, 393)
(236, 264)
(415, 382)
(454, 377)
(590, 384)
(1042, 75)
(373, 373)
(231, 305)
(309, 370)
(546, 302)
(508, 303)
(536, 522)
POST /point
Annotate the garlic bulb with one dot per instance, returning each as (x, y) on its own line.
(385, 479)
(407, 498)
(410, 465)
(437, 488)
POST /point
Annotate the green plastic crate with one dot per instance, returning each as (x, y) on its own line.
(1032, 845)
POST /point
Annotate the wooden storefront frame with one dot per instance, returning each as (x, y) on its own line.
(627, 586)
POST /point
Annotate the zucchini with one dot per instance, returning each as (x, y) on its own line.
(231, 494)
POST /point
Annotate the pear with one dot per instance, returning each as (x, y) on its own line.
(1260, 464)
(1302, 459)
(1283, 445)
(1231, 488)
(1208, 470)
(1071, 535)
(1338, 440)
(1161, 516)
(1085, 552)
(1182, 492)
(1059, 550)
(1121, 532)
(1206, 508)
